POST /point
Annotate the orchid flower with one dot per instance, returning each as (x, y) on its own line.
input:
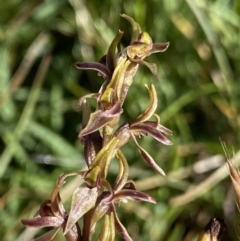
(53, 214)
(119, 75)
(108, 200)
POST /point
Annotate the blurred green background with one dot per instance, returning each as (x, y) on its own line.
(198, 100)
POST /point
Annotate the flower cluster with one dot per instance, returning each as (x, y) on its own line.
(103, 138)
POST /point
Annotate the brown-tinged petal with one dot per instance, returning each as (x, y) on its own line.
(145, 128)
(147, 158)
(122, 134)
(101, 208)
(101, 68)
(57, 206)
(50, 235)
(152, 67)
(164, 130)
(83, 200)
(136, 30)
(92, 145)
(108, 229)
(133, 194)
(121, 80)
(147, 114)
(41, 222)
(74, 233)
(123, 172)
(45, 209)
(119, 226)
(156, 125)
(110, 57)
(159, 47)
(56, 202)
(100, 118)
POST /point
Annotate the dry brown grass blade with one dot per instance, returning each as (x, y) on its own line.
(234, 174)
(196, 191)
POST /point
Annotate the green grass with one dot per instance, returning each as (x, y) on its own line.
(198, 99)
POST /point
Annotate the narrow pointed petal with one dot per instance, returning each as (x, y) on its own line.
(144, 128)
(133, 194)
(147, 158)
(123, 172)
(136, 30)
(83, 200)
(110, 58)
(94, 66)
(164, 129)
(159, 47)
(57, 206)
(108, 229)
(92, 145)
(100, 118)
(56, 202)
(119, 226)
(122, 134)
(100, 209)
(152, 67)
(41, 222)
(158, 126)
(50, 235)
(147, 114)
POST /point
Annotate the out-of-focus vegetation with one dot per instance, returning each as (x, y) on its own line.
(198, 95)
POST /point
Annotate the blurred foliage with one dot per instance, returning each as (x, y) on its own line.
(198, 99)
